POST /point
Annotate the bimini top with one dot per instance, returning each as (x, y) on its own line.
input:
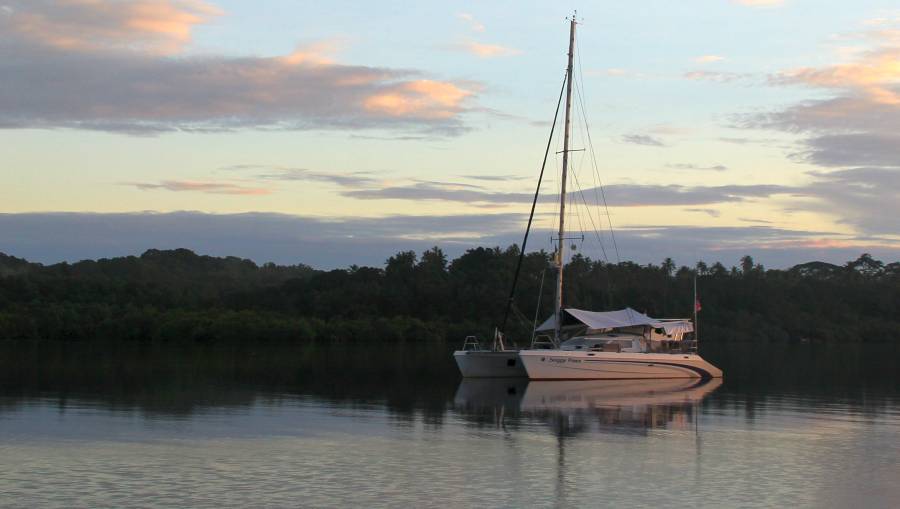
(600, 320)
(627, 317)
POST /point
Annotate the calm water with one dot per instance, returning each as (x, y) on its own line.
(91, 426)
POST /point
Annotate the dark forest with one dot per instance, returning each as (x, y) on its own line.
(178, 296)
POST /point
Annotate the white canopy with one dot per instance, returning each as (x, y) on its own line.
(616, 319)
(675, 326)
(601, 320)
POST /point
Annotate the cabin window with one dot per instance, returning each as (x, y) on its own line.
(510, 362)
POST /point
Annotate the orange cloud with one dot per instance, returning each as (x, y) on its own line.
(873, 74)
(317, 53)
(156, 26)
(144, 91)
(419, 98)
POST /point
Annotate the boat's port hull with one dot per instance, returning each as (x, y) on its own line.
(582, 365)
(489, 364)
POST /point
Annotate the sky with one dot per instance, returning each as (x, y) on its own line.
(338, 133)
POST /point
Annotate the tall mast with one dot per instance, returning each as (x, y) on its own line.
(560, 260)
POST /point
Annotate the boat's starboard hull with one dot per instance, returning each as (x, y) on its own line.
(489, 364)
(582, 365)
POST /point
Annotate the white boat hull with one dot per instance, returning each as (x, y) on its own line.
(489, 364)
(582, 365)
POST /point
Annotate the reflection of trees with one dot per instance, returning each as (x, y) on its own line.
(173, 380)
(413, 382)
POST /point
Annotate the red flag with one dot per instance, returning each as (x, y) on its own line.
(697, 306)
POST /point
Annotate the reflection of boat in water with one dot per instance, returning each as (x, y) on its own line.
(572, 395)
(482, 393)
(623, 403)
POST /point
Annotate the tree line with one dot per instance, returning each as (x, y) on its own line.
(178, 296)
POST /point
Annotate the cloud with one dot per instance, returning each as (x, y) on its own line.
(426, 99)
(869, 149)
(866, 198)
(318, 53)
(760, 3)
(708, 59)
(473, 23)
(618, 195)
(871, 75)
(483, 50)
(438, 191)
(709, 212)
(634, 195)
(717, 76)
(495, 178)
(682, 166)
(157, 26)
(855, 127)
(747, 141)
(200, 187)
(142, 92)
(354, 179)
(322, 242)
(339, 242)
(643, 139)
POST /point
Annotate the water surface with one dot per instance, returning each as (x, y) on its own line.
(387, 426)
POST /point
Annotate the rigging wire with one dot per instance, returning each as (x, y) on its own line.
(591, 215)
(512, 291)
(612, 233)
(598, 181)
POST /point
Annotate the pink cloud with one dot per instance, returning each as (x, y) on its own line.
(420, 98)
(140, 89)
(156, 26)
(873, 73)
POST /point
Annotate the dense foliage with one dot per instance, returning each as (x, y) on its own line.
(178, 296)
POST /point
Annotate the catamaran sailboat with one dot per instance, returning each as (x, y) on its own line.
(622, 344)
(589, 345)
